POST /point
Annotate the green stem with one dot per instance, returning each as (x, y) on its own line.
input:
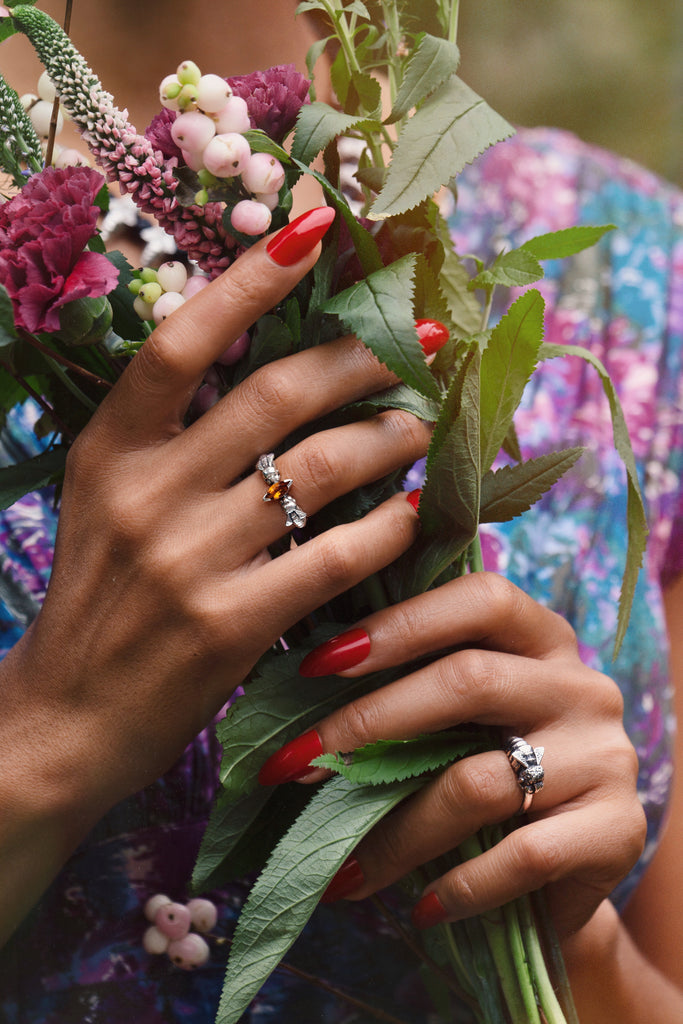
(475, 559)
(68, 383)
(377, 595)
(550, 1005)
(453, 21)
(519, 955)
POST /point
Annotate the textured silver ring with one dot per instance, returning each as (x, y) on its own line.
(526, 764)
(278, 490)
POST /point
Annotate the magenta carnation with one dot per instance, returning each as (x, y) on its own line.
(43, 232)
(274, 97)
(159, 134)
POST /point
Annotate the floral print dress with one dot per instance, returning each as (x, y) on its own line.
(78, 957)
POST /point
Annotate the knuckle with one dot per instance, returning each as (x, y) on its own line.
(459, 890)
(270, 393)
(358, 723)
(317, 465)
(335, 561)
(411, 433)
(469, 784)
(543, 858)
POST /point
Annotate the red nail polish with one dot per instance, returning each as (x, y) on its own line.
(432, 334)
(291, 761)
(295, 241)
(341, 652)
(428, 912)
(349, 878)
(414, 498)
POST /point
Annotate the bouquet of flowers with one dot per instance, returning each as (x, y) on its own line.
(213, 170)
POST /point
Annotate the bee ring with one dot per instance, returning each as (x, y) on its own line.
(278, 490)
(526, 764)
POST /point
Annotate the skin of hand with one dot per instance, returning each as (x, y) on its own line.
(514, 664)
(163, 594)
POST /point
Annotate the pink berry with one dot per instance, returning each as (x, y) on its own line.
(174, 920)
(167, 304)
(192, 131)
(189, 952)
(269, 200)
(195, 284)
(250, 217)
(213, 92)
(194, 160)
(233, 117)
(263, 173)
(227, 155)
(205, 399)
(154, 941)
(71, 158)
(172, 276)
(153, 904)
(236, 350)
(204, 914)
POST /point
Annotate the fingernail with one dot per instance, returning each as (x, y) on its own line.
(414, 498)
(349, 878)
(432, 334)
(428, 912)
(341, 652)
(295, 241)
(292, 761)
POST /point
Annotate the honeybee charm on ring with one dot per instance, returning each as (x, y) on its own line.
(278, 490)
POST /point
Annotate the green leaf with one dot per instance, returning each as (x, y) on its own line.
(511, 269)
(126, 322)
(401, 397)
(449, 130)
(377, 764)
(228, 821)
(271, 339)
(316, 126)
(512, 490)
(369, 93)
(8, 332)
(433, 62)
(567, 242)
(259, 142)
(635, 514)
(379, 311)
(463, 306)
(506, 365)
(20, 479)
(288, 891)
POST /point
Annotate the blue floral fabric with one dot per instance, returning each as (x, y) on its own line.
(78, 957)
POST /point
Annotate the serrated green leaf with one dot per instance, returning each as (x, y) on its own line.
(369, 93)
(309, 5)
(228, 821)
(511, 270)
(433, 62)
(297, 874)
(271, 340)
(506, 365)
(316, 126)
(377, 764)
(512, 490)
(126, 322)
(20, 479)
(449, 130)
(636, 518)
(567, 242)
(463, 307)
(379, 311)
(259, 142)
(401, 397)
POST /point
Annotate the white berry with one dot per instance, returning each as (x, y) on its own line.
(167, 304)
(153, 904)
(250, 217)
(172, 276)
(46, 89)
(204, 914)
(154, 941)
(263, 173)
(169, 90)
(270, 201)
(233, 117)
(174, 920)
(213, 92)
(195, 284)
(41, 115)
(71, 158)
(143, 309)
(189, 952)
(227, 155)
(193, 131)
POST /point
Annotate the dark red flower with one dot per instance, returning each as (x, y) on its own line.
(274, 97)
(43, 232)
(159, 134)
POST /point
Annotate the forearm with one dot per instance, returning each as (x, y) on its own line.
(613, 981)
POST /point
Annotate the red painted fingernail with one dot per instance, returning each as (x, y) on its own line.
(295, 241)
(292, 761)
(349, 878)
(428, 912)
(414, 498)
(432, 334)
(341, 652)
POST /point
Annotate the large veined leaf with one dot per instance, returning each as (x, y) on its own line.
(567, 242)
(635, 514)
(449, 130)
(297, 874)
(316, 126)
(228, 821)
(511, 269)
(433, 62)
(379, 311)
(512, 490)
(506, 365)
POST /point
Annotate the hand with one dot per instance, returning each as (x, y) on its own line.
(163, 594)
(515, 665)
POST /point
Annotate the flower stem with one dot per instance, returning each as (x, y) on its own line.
(519, 955)
(475, 559)
(550, 1005)
(67, 363)
(45, 406)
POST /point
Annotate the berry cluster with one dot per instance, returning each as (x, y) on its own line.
(159, 292)
(170, 931)
(209, 131)
(39, 108)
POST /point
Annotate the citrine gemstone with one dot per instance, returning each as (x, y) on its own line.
(278, 490)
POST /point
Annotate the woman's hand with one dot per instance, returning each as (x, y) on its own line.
(514, 665)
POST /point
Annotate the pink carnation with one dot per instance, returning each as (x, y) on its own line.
(43, 232)
(274, 97)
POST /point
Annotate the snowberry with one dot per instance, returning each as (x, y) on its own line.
(172, 276)
(46, 89)
(143, 309)
(174, 920)
(193, 159)
(167, 304)
(189, 952)
(148, 274)
(205, 399)
(204, 914)
(187, 97)
(154, 941)
(71, 158)
(227, 155)
(263, 173)
(233, 117)
(153, 904)
(41, 115)
(270, 201)
(250, 217)
(193, 130)
(188, 73)
(150, 292)
(213, 92)
(236, 350)
(27, 100)
(195, 284)
(169, 90)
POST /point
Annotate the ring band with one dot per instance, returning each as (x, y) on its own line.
(525, 761)
(278, 490)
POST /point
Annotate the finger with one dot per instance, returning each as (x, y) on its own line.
(481, 609)
(152, 396)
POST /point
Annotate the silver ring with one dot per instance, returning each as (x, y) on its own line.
(525, 761)
(278, 490)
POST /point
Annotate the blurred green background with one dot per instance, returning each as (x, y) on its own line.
(609, 70)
